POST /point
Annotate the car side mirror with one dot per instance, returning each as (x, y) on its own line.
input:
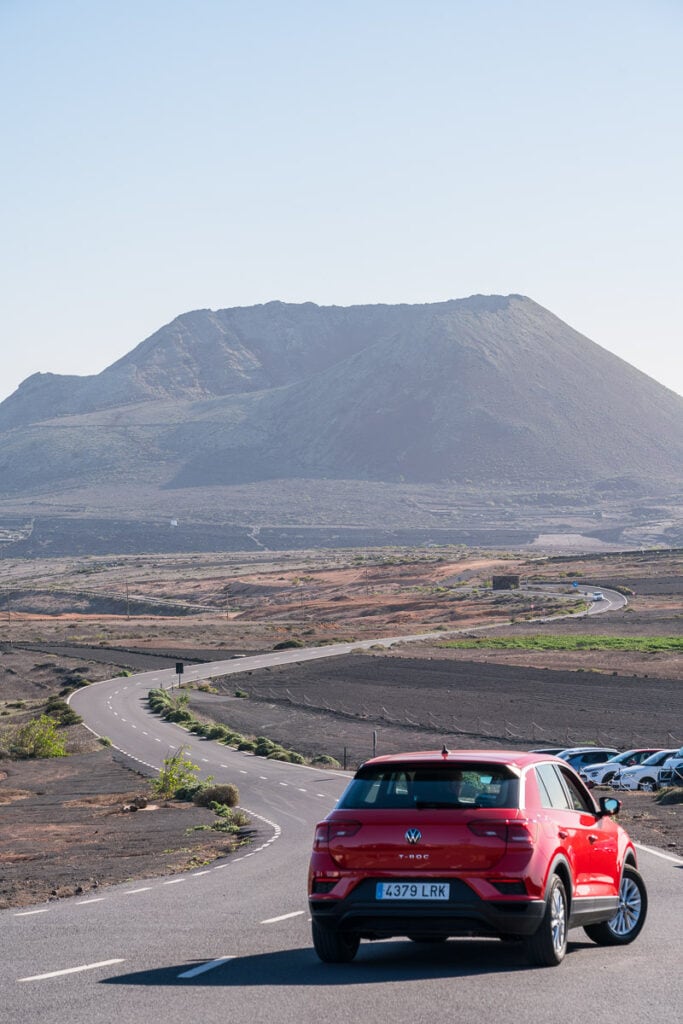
(609, 805)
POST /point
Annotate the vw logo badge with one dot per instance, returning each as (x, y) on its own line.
(413, 835)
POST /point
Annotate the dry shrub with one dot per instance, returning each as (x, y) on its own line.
(221, 793)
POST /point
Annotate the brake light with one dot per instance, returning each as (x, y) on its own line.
(327, 831)
(490, 829)
(514, 833)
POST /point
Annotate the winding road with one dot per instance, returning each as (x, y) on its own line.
(231, 942)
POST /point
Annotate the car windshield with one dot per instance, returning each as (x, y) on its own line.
(437, 786)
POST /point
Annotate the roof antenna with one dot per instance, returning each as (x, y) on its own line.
(445, 751)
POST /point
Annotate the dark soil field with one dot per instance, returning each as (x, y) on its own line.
(336, 705)
(65, 830)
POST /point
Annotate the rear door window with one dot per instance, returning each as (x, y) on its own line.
(551, 788)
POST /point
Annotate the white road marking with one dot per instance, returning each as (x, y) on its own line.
(302, 790)
(28, 913)
(196, 874)
(264, 777)
(321, 794)
(205, 967)
(242, 772)
(132, 892)
(283, 917)
(97, 899)
(284, 783)
(174, 881)
(145, 733)
(658, 853)
(71, 970)
(157, 740)
(205, 759)
(224, 766)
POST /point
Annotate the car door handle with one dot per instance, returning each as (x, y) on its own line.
(592, 839)
(562, 834)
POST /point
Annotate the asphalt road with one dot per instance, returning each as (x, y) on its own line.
(232, 941)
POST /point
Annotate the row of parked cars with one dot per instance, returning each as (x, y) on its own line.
(645, 768)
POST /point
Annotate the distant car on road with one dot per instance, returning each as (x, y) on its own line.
(582, 757)
(602, 774)
(643, 776)
(598, 595)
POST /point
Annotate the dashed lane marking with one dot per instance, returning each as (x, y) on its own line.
(302, 790)
(284, 783)
(194, 971)
(71, 970)
(97, 899)
(133, 892)
(174, 881)
(29, 913)
(242, 772)
(283, 917)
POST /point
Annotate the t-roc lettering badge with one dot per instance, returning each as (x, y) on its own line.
(413, 835)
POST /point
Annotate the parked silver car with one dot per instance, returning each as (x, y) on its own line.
(643, 776)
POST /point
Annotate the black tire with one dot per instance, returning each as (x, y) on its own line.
(332, 946)
(629, 919)
(607, 778)
(548, 945)
(648, 785)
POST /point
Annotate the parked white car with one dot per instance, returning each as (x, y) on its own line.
(580, 757)
(642, 776)
(602, 774)
(671, 772)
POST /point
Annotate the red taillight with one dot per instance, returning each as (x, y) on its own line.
(514, 833)
(327, 831)
(489, 829)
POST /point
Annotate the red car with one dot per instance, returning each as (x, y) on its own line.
(472, 842)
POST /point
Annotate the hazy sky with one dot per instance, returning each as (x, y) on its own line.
(167, 155)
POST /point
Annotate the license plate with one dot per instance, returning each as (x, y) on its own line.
(412, 890)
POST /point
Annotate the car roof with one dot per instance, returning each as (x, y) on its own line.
(517, 758)
(585, 750)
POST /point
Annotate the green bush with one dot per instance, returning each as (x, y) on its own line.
(38, 738)
(61, 712)
(247, 745)
(285, 644)
(241, 693)
(178, 773)
(326, 761)
(264, 746)
(216, 732)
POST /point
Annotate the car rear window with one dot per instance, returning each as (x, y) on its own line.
(439, 786)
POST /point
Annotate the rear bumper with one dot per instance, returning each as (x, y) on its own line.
(464, 913)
